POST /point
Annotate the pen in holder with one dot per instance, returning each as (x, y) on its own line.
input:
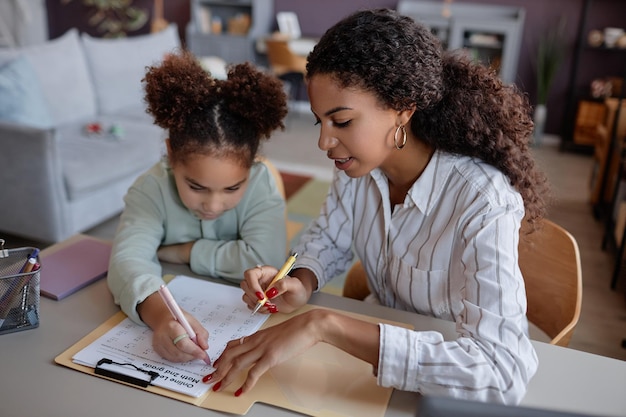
(19, 288)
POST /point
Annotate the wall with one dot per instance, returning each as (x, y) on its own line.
(63, 15)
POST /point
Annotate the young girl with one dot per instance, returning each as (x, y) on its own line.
(434, 177)
(211, 204)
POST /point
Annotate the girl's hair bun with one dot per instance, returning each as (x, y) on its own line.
(178, 88)
(255, 96)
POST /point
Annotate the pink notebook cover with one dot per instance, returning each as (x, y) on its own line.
(74, 267)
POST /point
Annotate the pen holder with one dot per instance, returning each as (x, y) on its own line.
(19, 292)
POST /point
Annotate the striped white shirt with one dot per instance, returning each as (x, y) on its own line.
(449, 251)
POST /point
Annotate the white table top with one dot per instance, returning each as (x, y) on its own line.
(33, 385)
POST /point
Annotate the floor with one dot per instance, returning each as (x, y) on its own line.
(602, 325)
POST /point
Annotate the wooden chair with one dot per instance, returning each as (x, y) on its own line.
(280, 184)
(281, 59)
(276, 174)
(550, 263)
(285, 64)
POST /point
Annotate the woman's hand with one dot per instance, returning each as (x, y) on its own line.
(176, 254)
(168, 330)
(265, 349)
(286, 296)
(277, 344)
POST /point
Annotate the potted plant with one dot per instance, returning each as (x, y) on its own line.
(550, 53)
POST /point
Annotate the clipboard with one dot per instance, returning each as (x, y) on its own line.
(323, 381)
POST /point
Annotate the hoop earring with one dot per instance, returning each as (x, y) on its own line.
(395, 137)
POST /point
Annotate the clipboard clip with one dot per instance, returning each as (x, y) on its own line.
(3, 252)
(125, 372)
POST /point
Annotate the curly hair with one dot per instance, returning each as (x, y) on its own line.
(208, 116)
(461, 107)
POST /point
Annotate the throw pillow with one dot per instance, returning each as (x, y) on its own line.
(63, 74)
(21, 99)
(118, 66)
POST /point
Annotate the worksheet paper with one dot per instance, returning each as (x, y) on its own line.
(217, 306)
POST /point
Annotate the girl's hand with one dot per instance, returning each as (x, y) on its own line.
(286, 295)
(175, 254)
(169, 331)
(265, 349)
(156, 315)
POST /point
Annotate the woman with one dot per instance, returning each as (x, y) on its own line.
(434, 178)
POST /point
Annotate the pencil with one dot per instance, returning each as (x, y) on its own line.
(282, 273)
(178, 315)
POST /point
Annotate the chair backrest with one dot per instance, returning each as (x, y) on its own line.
(280, 184)
(281, 59)
(550, 263)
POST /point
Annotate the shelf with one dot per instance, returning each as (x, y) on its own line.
(497, 31)
(604, 49)
(233, 37)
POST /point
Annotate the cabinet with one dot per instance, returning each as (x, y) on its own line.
(489, 34)
(228, 28)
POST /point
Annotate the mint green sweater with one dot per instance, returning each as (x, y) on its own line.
(254, 232)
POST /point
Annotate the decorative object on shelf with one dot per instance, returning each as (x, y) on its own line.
(540, 116)
(158, 20)
(216, 25)
(114, 18)
(601, 88)
(611, 36)
(204, 20)
(288, 25)
(550, 53)
(606, 87)
(445, 11)
(595, 38)
(239, 25)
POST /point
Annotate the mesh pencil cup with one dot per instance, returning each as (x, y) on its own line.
(19, 291)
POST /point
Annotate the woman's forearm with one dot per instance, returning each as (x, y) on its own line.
(358, 338)
(309, 281)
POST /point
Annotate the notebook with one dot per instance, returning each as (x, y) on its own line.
(73, 267)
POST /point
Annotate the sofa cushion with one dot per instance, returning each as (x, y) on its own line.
(90, 162)
(118, 66)
(21, 98)
(64, 77)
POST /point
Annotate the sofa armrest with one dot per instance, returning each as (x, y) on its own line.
(34, 199)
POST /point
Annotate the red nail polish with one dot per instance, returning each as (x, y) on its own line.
(273, 292)
(207, 378)
(238, 392)
(217, 386)
(273, 309)
(259, 295)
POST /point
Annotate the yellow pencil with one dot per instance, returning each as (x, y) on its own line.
(282, 273)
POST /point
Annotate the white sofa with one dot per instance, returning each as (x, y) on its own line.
(56, 179)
